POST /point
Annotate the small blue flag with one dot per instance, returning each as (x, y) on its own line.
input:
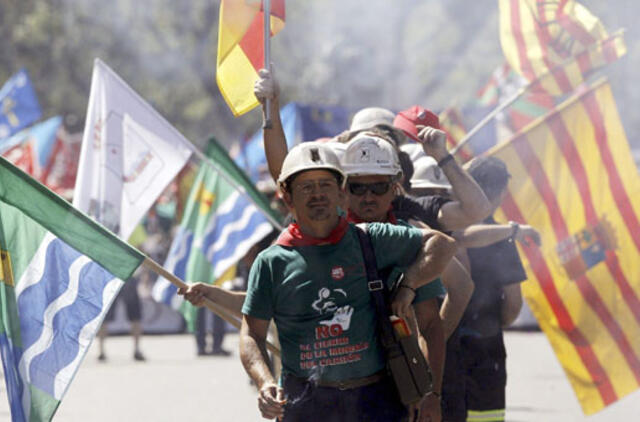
(18, 104)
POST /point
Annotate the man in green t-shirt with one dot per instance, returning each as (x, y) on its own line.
(312, 283)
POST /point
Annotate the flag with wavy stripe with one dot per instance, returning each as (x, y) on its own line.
(59, 273)
(574, 179)
(219, 226)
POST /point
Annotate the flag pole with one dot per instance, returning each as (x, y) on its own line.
(238, 187)
(490, 117)
(223, 312)
(266, 13)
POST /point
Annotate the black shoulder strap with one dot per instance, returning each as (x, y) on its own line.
(376, 286)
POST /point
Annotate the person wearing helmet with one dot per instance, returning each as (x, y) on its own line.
(469, 204)
(312, 283)
(373, 174)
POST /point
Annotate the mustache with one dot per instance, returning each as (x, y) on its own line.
(317, 202)
(368, 204)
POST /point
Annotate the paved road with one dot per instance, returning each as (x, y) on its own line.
(175, 385)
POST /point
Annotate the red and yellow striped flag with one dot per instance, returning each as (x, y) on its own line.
(241, 49)
(557, 44)
(574, 179)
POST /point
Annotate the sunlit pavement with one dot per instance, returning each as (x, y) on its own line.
(175, 385)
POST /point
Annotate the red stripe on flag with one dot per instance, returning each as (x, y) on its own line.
(615, 182)
(253, 42)
(567, 145)
(545, 40)
(516, 30)
(543, 274)
(588, 292)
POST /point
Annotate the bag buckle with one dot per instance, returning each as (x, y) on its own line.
(375, 285)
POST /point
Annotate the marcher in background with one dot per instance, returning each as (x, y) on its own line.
(129, 295)
(475, 366)
(312, 283)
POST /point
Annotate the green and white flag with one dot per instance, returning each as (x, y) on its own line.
(220, 224)
(59, 273)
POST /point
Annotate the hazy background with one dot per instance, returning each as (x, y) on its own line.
(352, 53)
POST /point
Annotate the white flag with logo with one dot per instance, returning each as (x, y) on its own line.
(130, 153)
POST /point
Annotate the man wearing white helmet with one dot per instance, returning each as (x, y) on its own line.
(313, 284)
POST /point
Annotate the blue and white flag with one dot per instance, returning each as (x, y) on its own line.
(59, 274)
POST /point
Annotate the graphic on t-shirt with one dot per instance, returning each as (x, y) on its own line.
(326, 304)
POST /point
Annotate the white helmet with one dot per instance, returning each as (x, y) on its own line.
(427, 174)
(368, 154)
(370, 117)
(309, 156)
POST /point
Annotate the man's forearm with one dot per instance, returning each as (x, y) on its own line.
(275, 141)
(460, 288)
(433, 258)
(230, 300)
(253, 354)
(432, 331)
(480, 235)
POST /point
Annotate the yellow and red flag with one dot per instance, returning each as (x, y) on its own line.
(241, 49)
(574, 179)
(557, 44)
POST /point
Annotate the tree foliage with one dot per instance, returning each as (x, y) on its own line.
(352, 53)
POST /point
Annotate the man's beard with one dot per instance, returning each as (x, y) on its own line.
(318, 209)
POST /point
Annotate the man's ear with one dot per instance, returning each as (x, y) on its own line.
(286, 198)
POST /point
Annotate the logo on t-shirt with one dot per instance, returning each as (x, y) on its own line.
(337, 273)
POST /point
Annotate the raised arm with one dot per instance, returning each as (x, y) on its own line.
(471, 204)
(275, 142)
(253, 354)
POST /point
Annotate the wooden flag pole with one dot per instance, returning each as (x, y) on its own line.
(227, 314)
(266, 12)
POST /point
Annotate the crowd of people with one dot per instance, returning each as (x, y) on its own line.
(447, 268)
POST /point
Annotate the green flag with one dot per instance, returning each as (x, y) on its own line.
(219, 225)
(59, 273)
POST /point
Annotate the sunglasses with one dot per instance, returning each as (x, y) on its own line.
(379, 188)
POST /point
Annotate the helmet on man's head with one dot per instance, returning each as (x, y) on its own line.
(428, 175)
(368, 154)
(371, 117)
(309, 156)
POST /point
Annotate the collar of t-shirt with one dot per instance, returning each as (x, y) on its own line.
(391, 218)
(293, 236)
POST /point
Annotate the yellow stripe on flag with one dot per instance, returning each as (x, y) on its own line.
(573, 179)
(240, 41)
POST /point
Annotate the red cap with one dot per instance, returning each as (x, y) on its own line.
(408, 119)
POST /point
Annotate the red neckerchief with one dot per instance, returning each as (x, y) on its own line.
(391, 218)
(293, 236)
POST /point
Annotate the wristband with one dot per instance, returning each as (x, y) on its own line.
(445, 160)
(408, 287)
(433, 393)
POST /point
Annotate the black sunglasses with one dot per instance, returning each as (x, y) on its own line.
(379, 188)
